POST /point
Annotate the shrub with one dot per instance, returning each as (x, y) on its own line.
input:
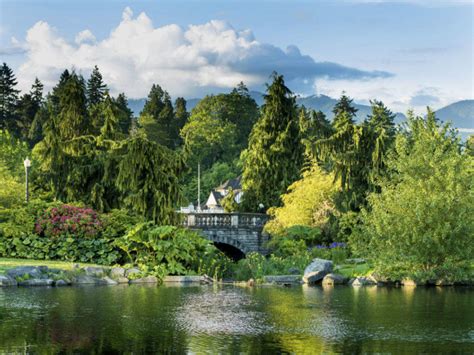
(71, 221)
(39, 231)
(164, 250)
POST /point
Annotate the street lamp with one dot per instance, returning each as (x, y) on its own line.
(27, 164)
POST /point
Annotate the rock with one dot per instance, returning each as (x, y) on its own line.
(356, 261)
(60, 283)
(410, 282)
(251, 283)
(31, 272)
(147, 279)
(186, 279)
(87, 280)
(94, 271)
(131, 272)
(117, 272)
(317, 270)
(282, 279)
(109, 281)
(443, 282)
(122, 280)
(334, 279)
(36, 282)
(362, 281)
(7, 281)
(294, 271)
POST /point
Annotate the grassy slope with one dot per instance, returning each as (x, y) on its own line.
(9, 263)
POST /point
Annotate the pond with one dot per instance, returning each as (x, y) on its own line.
(229, 319)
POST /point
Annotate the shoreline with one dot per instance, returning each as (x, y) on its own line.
(43, 276)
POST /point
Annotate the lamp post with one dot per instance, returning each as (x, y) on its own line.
(27, 164)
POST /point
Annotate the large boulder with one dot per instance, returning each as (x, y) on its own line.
(117, 272)
(30, 272)
(315, 271)
(109, 281)
(363, 281)
(334, 279)
(282, 279)
(147, 280)
(7, 281)
(95, 271)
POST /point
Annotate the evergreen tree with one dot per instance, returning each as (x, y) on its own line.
(125, 114)
(73, 119)
(37, 92)
(8, 99)
(148, 179)
(96, 88)
(181, 117)
(154, 103)
(157, 118)
(275, 154)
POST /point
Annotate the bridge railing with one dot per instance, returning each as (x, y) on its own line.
(216, 220)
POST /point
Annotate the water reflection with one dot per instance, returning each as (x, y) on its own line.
(213, 319)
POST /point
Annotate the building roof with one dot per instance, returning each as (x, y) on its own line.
(232, 183)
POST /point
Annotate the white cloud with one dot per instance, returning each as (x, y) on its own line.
(85, 36)
(397, 93)
(191, 61)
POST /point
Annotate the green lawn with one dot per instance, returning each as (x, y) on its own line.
(350, 270)
(9, 263)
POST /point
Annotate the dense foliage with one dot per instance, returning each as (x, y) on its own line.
(421, 224)
(400, 197)
(163, 250)
(275, 154)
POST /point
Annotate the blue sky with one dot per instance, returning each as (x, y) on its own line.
(409, 53)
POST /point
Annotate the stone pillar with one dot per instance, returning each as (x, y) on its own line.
(191, 220)
(234, 220)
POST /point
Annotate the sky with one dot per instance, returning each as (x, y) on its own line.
(407, 53)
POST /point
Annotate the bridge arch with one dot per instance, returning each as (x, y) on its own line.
(243, 231)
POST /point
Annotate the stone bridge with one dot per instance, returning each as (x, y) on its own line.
(243, 231)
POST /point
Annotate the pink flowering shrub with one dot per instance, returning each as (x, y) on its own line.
(69, 220)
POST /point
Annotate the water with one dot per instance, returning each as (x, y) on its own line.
(212, 319)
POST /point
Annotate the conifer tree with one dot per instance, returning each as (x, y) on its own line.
(125, 114)
(96, 88)
(73, 117)
(8, 99)
(181, 116)
(148, 179)
(275, 154)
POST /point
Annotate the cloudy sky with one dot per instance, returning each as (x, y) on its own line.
(408, 53)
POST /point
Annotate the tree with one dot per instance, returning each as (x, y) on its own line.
(157, 118)
(96, 88)
(307, 202)
(356, 153)
(420, 226)
(125, 113)
(275, 153)
(229, 203)
(37, 92)
(8, 99)
(148, 179)
(73, 118)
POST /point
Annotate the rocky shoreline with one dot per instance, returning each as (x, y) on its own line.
(319, 272)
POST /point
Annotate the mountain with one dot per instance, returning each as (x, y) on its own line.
(326, 104)
(460, 114)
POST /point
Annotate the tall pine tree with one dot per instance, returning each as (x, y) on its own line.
(275, 154)
(8, 99)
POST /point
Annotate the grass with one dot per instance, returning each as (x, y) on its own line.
(351, 270)
(9, 263)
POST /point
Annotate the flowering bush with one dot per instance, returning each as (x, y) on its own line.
(69, 220)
